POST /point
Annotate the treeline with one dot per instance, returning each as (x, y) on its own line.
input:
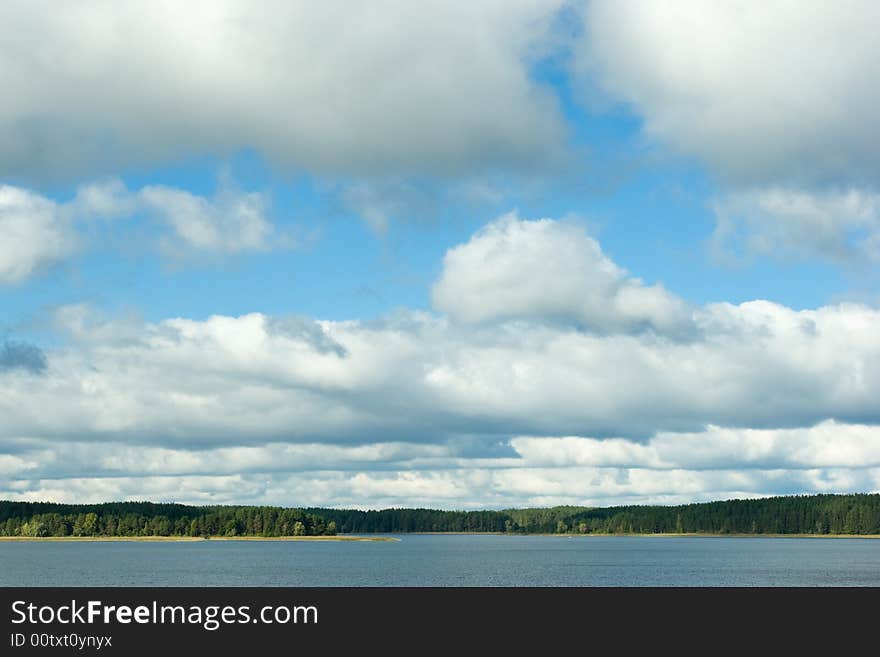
(808, 514)
(148, 519)
(401, 521)
(804, 514)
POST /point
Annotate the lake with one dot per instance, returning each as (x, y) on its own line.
(449, 560)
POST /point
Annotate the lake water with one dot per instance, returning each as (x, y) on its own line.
(451, 560)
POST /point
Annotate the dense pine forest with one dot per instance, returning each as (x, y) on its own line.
(148, 519)
(813, 514)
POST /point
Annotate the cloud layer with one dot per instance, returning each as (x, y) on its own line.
(544, 373)
(778, 99)
(775, 92)
(516, 407)
(769, 98)
(338, 87)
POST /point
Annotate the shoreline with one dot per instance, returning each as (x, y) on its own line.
(392, 537)
(189, 539)
(645, 535)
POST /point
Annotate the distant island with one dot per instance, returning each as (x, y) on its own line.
(819, 515)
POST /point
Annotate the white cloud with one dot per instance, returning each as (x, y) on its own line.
(470, 487)
(828, 444)
(839, 225)
(107, 198)
(230, 222)
(356, 87)
(422, 378)
(776, 92)
(545, 269)
(70, 459)
(778, 98)
(421, 409)
(34, 234)
(38, 232)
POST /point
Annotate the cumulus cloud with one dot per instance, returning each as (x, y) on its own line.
(545, 269)
(765, 93)
(338, 87)
(778, 99)
(228, 379)
(39, 232)
(426, 409)
(35, 234)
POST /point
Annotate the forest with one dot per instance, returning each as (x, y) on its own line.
(149, 519)
(798, 514)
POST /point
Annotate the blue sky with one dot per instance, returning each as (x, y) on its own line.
(654, 218)
(468, 256)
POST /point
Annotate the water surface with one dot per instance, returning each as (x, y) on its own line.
(449, 560)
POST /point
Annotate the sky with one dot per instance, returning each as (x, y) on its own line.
(443, 254)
